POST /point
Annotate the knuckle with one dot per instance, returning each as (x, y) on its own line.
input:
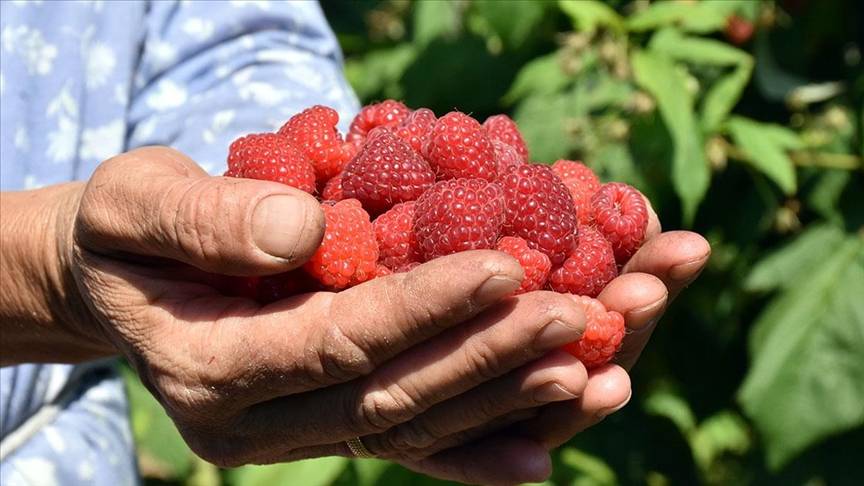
(339, 357)
(482, 360)
(188, 217)
(381, 408)
(414, 434)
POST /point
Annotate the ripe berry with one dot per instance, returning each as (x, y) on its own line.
(588, 268)
(539, 210)
(535, 264)
(387, 113)
(459, 148)
(382, 271)
(416, 128)
(333, 189)
(621, 216)
(582, 184)
(394, 231)
(348, 252)
(458, 215)
(506, 157)
(385, 172)
(313, 131)
(504, 129)
(268, 157)
(604, 332)
(738, 30)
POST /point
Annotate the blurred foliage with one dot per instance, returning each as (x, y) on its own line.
(739, 119)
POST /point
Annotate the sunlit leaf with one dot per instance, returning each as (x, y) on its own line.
(376, 73)
(696, 50)
(312, 472)
(440, 18)
(806, 381)
(513, 24)
(703, 17)
(591, 470)
(588, 15)
(543, 122)
(542, 75)
(723, 432)
(666, 404)
(658, 75)
(723, 95)
(765, 146)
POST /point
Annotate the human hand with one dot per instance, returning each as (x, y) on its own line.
(295, 379)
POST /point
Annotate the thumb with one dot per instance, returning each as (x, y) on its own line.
(156, 202)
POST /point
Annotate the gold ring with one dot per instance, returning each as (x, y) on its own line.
(358, 449)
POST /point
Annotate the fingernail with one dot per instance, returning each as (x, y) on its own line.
(685, 271)
(635, 314)
(278, 223)
(552, 392)
(555, 334)
(495, 288)
(609, 411)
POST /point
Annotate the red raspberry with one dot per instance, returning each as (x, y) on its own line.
(504, 129)
(385, 172)
(621, 216)
(394, 231)
(459, 147)
(458, 215)
(506, 157)
(539, 210)
(604, 331)
(385, 114)
(313, 131)
(267, 157)
(348, 252)
(333, 189)
(382, 271)
(582, 184)
(588, 268)
(416, 128)
(535, 264)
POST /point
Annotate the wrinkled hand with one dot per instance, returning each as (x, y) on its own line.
(406, 361)
(663, 266)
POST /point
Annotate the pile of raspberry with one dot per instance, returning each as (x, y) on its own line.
(404, 186)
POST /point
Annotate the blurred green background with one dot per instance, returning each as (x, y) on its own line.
(741, 120)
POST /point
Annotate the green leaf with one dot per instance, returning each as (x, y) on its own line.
(436, 19)
(658, 75)
(666, 404)
(312, 472)
(702, 17)
(163, 452)
(543, 122)
(588, 15)
(542, 75)
(765, 146)
(724, 95)
(785, 267)
(696, 50)
(806, 381)
(376, 73)
(513, 24)
(720, 433)
(593, 470)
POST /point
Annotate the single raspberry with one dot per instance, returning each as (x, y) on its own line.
(458, 215)
(416, 128)
(506, 157)
(621, 216)
(313, 131)
(280, 286)
(348, 252)
(459, 147)
(384, 114)
(582, 184)
(266, 156)
(385, 172)
(539, 210)
(333, 189)
(535, 264)
(588, 268)
(604, 331)
(394, 231)
(504, 129)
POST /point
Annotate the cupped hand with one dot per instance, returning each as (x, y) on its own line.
(406, 361)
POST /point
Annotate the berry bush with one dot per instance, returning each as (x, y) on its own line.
(739, 119)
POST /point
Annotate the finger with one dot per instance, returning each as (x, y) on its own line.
(501, 339)
(608, 390)
(653, 228)
(497, 460)
(556, 377)
(156, 202)
(641, 299)
(675, 257)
